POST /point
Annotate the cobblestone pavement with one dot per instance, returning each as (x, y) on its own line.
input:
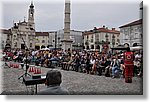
(75, 82)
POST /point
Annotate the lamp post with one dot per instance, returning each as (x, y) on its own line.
(55, 40)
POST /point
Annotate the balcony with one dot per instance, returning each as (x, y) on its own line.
(86, 43)
(102, 42)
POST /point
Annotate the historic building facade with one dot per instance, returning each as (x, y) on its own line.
(101, 38)
(42, 40)
(75, 36)
(23, 33)
(5, 36)
(132, 33)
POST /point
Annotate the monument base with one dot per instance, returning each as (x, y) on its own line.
(66, 44)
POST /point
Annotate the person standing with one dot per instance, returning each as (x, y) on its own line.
(77, 63)
(115, 66)
(87, 64)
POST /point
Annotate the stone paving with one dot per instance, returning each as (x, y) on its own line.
(76, 83)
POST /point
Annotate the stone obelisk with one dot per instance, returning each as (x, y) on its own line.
(66, 41)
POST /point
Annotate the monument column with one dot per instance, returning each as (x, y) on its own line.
(66, 41)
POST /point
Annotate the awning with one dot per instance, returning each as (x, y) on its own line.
(37, 45)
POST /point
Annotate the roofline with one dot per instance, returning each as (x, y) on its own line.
(130, 24)
(100, 32)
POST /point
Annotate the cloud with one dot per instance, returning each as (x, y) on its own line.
(84, 15)
(111, 14)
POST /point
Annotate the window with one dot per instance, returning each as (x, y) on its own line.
(141, 35)
(92, 39)
(96, 36)
(131, 30)
(106, 36)
(97, 47)
(14, 36)
(92, 46)
(113, 36)
(118, 40)
(136, 29)
(43, 41)
(87, 37)
(30, 44)
(136, 35)
(140, 29)
(126, 36)
(126, 29)
(15, 44)
(121, 30)
(125, 32)
(87, 47)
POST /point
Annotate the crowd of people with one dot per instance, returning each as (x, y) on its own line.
(97, 63)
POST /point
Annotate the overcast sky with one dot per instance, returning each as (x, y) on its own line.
(85, 15)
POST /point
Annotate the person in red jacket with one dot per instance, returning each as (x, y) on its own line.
(129, 65)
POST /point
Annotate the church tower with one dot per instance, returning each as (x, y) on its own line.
(31, 16)
(23, 33)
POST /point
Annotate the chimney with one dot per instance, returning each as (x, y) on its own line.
(113, 28)
(95, 28)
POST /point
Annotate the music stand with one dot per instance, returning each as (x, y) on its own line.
(22, 65)
(25, 74)
(27, 66)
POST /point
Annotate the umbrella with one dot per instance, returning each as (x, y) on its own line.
(136, 48)
(54, 59)
(43, 49)
(46, 49)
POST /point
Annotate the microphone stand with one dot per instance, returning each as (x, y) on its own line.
(27, 66)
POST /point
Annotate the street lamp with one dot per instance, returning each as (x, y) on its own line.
(55, 40)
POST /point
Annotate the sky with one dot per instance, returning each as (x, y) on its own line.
(85, 14)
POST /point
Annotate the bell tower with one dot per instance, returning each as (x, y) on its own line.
(31, 16)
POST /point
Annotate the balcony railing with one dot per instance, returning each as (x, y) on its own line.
(102, 42)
